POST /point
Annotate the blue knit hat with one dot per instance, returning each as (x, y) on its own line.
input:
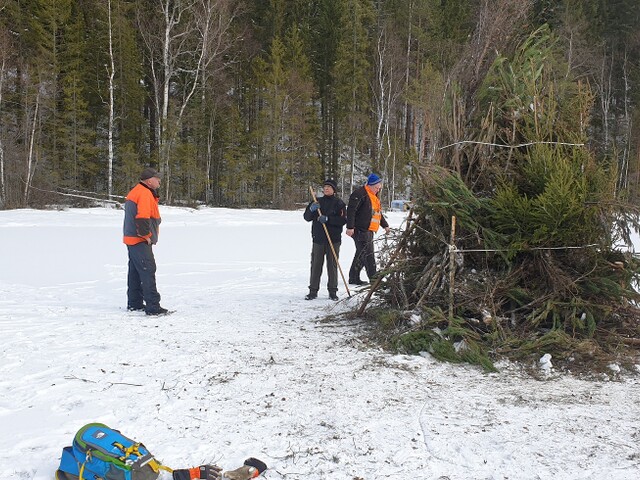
(373, 179)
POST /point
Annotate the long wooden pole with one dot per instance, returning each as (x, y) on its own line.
(452, 267)
(333, 250)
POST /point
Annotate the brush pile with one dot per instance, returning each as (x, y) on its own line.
(536, 268)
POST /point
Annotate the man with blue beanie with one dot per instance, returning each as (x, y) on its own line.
(364, 218)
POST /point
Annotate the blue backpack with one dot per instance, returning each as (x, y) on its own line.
(102, 453)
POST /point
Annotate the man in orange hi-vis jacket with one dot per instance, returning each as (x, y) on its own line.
(141, 227)
(364, 218)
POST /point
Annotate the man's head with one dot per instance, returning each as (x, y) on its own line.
(374, 182)
(151, 177)
(329, 187)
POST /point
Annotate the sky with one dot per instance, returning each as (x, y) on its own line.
(246, 367)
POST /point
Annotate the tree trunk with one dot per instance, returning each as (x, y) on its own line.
(112, 72)
(3, 188)
(30, 159)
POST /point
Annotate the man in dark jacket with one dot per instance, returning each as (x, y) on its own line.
(141, 229)
(330, 211)
(364, 218)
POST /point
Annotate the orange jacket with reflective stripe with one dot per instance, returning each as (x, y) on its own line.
(141, 215)
(376, 210)
(360, 210)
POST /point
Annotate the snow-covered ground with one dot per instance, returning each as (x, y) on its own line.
(246, 367)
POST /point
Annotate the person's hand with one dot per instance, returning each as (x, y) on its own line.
(387, 230)
(204, 472)
(314, 206)
(323, 219)
(350, 232)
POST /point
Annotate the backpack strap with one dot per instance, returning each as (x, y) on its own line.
(156, 466)
(134, 449)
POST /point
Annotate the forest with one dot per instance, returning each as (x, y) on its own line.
(246, 103)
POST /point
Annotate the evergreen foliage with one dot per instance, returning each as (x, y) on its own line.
(271, 95)
(540, 266)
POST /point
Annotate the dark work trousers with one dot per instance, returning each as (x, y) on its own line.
(141, 280)
(318, 254)
(364, 256)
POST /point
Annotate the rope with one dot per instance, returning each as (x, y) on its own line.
(77, 196)
(91, 193)
(494, 250)
(528, 249)
(512, 146)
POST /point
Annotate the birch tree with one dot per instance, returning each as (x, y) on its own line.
(165, 31)
(4, 57)
(389, 81)
(214, 22)
(111, 71)
(32, 122)
(193, 33)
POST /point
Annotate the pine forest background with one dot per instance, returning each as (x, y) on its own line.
(246, 103)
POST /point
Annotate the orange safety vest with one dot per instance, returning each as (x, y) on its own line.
(376, 210)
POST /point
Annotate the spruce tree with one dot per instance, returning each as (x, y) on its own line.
(352, 72)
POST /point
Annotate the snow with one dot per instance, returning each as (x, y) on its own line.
(246, 367)
(545, 363)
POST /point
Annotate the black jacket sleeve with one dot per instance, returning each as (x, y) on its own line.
(355, 200)
(383, 221)
(340, 216)
(308, 214)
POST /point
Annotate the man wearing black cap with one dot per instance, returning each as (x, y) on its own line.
(141, 228)
(334, 216)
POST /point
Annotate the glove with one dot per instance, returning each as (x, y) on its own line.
(252, 468)
(323, 219)
(314, 206)
(242, 473)
(207, 472)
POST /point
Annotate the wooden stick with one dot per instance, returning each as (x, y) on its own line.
(452, 266)
(392, 259)
(333, 250)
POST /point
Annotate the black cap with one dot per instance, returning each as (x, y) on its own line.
(332, 183)
(148, 173)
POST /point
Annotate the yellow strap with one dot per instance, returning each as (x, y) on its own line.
(132, 450)
(156, 466)
(81, 471)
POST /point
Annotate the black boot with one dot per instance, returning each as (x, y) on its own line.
(311, 295)
(158, 312)
(333, 296)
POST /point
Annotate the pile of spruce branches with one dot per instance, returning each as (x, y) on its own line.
(537, 267)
